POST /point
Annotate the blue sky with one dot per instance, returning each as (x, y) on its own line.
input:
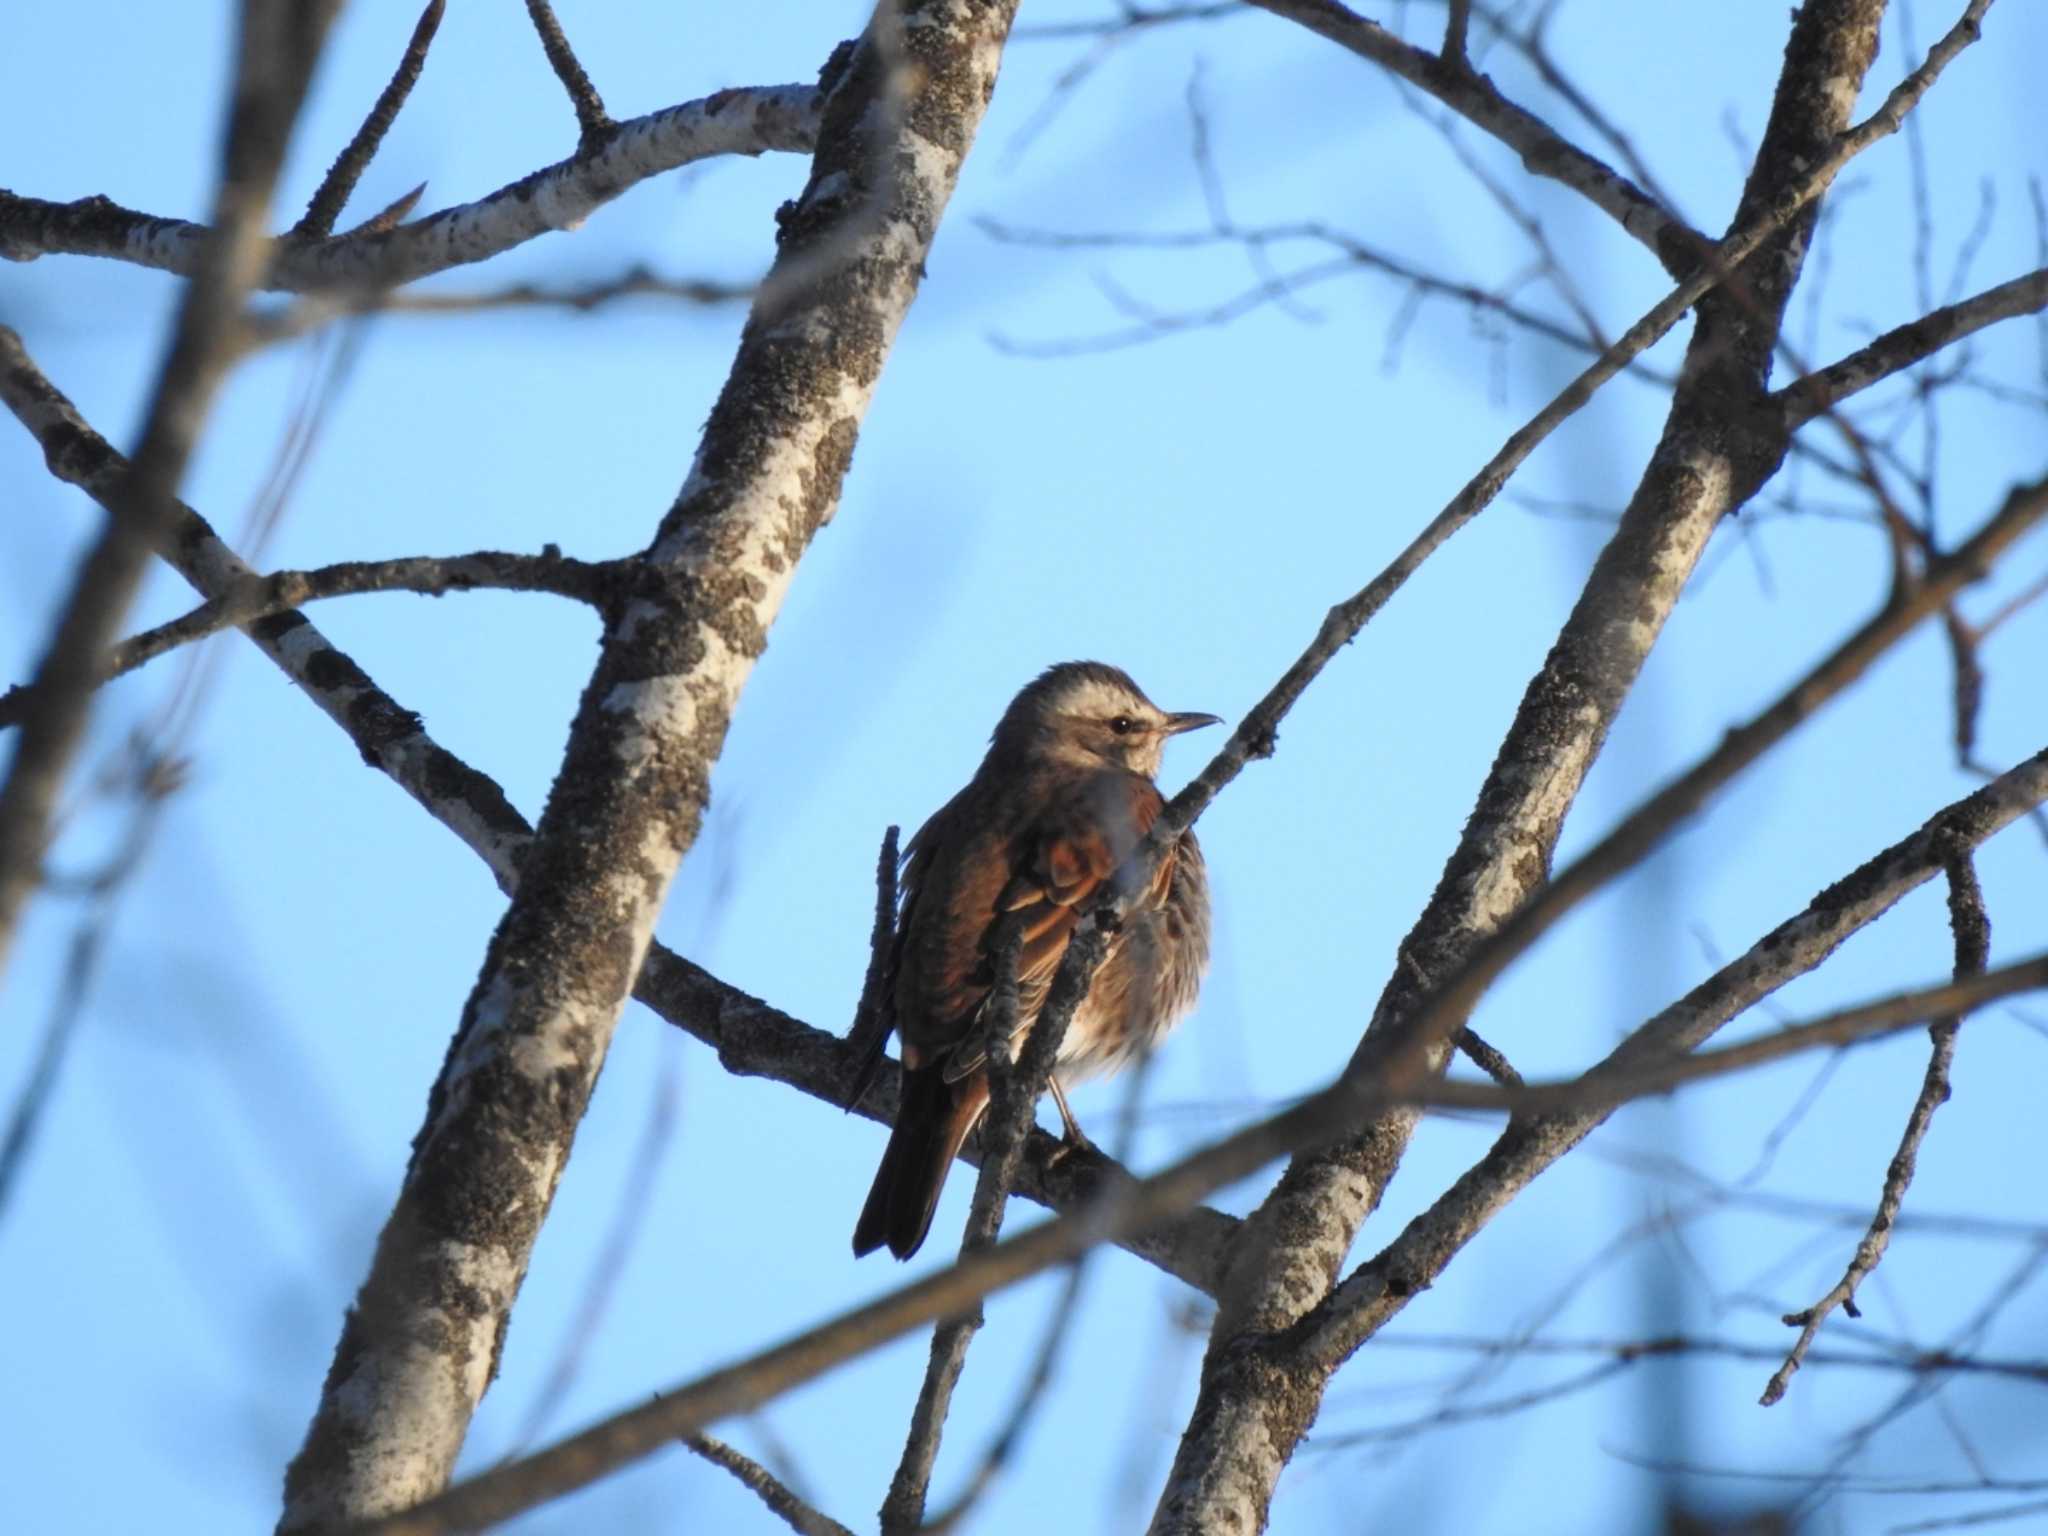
(280, 979)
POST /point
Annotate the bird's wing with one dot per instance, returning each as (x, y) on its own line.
(1060, 863)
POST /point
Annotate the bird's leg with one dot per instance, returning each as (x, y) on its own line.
(1073, 1138)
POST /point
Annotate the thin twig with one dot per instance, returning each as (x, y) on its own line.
(1904, 345)
(868, 1035)
(1064, 1312)
(261, 597)
(1005, 1443)
(288, 322)
(149, 779)
(780, 1498)
(1487, 1059)
(340, 181)
(1011, 1098)
(1972, 929)
(594, 123)
(1457, 22)
(1472, 96)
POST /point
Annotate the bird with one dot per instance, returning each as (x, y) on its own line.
(1063, 798)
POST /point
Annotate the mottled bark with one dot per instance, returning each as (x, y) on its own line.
(748, 121)
(1720, 443)
(423, 1339)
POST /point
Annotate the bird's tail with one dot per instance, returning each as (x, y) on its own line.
(932, 1120)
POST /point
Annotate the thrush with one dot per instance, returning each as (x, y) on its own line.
(1063, 798)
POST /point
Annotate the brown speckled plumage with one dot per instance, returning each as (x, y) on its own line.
(1062, 799)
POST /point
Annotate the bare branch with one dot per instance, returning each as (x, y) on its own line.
(418, 1349)
(868, 1036)
(1714, 454)
(1472, 96)
(1487, 1059)
(1004, 1445)
(1457, 22)
(1002, 1137)
(348, 168)
(593, 122)
(637, 281)
(1894, 1357)
(275, 56)
(389, 736)
(781, 1500)
(1607, 1088)
(1973, 946)
(1275, 287)
(262, 597)
(1903, 346)
(747, 121)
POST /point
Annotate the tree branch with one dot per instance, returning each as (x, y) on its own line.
(1606, 1089)
(781, 1500)
(1472, 96)
(341, 178)
(592, 121)
(1917, 340)
(750, 120)
(262, 597)
(1973, 947)
(1002, 1136)
(274, 61)
(420, 1346)
(288, 322)
(1717, 449)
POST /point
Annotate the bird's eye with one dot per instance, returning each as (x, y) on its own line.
(1123, 725)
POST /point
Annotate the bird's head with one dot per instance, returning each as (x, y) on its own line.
(1086, 714)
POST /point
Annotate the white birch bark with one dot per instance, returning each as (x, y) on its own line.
(423, 1339)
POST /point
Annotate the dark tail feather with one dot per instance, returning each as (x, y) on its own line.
(932, 1121)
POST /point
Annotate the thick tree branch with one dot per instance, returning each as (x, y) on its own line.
(422, 1342)
(275, 54)
(1719, 446)
(744, 121)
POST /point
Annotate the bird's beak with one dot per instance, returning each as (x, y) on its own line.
(1190, 720)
